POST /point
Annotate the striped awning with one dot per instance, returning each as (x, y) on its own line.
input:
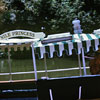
(78, 41)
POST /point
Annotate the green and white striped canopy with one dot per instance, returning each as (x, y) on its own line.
(78, 41)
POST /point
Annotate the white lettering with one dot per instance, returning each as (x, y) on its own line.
(17, 34)
(21, 33)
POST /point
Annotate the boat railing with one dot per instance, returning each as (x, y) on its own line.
(42, 71)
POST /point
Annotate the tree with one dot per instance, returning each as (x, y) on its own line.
(53, 15)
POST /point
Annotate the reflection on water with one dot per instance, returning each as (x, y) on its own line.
(1, 66)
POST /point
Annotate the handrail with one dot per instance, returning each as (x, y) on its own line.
(42, 71)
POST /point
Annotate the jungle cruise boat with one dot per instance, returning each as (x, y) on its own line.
(79, 87)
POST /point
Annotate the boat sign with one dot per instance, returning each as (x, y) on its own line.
(21, 33)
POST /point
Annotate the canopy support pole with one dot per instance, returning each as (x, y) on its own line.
(9, 62)
(45, 65)
(34, 61)
(83, 60)
(79, 62)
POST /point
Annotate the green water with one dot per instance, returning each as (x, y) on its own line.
(26, 65)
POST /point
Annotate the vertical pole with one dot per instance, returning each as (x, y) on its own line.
(83, 60)
(51, 96)
(79, 62)
(34, 61)
(9, 62)
(45, 66)
(80, 87)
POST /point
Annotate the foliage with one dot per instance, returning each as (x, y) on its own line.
(52, 15)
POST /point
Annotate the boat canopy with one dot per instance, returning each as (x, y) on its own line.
(55, 43)
(78, 41)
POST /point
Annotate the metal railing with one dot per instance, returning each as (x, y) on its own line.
(42, 71)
